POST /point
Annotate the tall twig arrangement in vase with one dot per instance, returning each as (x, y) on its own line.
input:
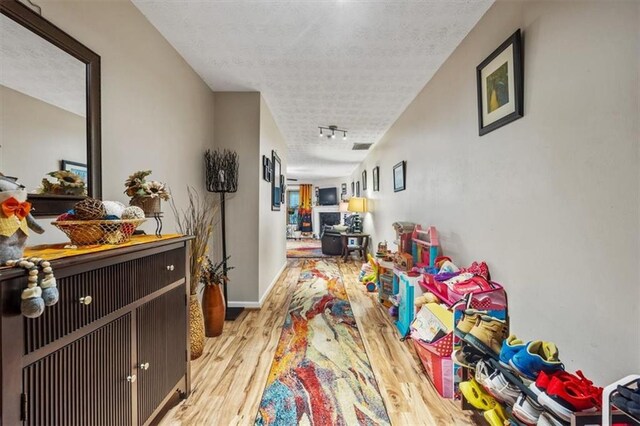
(222, 177)
(197, 220)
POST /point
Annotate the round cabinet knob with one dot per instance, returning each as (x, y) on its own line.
(170, 267)
(86, 300)
(144, 366)
(131, 378)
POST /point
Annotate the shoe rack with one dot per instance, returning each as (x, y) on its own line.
(609, 391)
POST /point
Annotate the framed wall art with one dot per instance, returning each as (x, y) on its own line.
(266, 168)
(276, 182)
(364, 180)
(399, 176)
(357, 188)
(500, 81)
(376, 178)
(353, 189)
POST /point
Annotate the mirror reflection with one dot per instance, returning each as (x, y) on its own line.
(42, 112)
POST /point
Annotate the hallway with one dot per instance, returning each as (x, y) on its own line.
(229, 379)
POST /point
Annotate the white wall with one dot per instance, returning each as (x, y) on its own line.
(237, 127)
(272, 224)
(550, 201)
(156, 111)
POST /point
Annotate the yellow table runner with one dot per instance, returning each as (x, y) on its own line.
(58, 251)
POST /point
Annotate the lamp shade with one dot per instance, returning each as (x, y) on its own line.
(357, 204)
(344, 207)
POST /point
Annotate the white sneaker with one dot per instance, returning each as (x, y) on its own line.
(526, 410)
(501, 389)
(483, 372)
(547, 419)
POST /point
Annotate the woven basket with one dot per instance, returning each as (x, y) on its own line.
(149, 205)
(88, 232)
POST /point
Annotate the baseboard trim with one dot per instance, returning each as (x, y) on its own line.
(258, 305)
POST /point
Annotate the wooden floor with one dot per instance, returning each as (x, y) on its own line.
(228, 380)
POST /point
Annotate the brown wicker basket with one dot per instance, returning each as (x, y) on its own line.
(88, 232)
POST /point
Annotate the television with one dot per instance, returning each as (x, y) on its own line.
(328, 196)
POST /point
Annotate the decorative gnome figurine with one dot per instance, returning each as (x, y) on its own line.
(15, 222)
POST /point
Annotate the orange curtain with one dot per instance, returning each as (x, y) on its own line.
(305, 196)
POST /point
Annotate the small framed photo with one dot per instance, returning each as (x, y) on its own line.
(266, 168)
(78, 168)
(343, 189)
(399, 176)
(284, 188)
(353, 189)
(357, 188)
(500, 81)
(376, 178)
(364, 180)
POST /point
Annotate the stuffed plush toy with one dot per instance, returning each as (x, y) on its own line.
(15, 223)
(426, 298)
(15, 220)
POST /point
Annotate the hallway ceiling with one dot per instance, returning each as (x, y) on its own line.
(355, 64)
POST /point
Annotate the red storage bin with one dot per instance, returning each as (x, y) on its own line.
(439, 367)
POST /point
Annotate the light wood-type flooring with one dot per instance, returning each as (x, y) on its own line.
(229, 378)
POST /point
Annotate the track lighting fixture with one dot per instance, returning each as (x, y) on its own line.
(333, 129)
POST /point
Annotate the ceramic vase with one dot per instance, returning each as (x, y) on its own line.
(213, 309)
(196, 327)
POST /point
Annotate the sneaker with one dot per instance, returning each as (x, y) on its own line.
(467, 356)
(469, 319)
(565, 397)
(537, 356)
(483, 371)
(488, 334)
(542, 382)
(498, 386)
(496, 416)
(476, 396)
(526, 410)
(547, 419)
(630, 394)
(626, 405)
(511, 346)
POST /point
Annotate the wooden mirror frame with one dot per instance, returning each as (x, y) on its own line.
(52, 205)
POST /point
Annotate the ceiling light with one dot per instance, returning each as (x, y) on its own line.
(333, 129)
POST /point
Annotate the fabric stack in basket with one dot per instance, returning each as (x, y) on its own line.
(100, 222)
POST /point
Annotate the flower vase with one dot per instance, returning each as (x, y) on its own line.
(150, 205)
(196, 327)
(213, 309)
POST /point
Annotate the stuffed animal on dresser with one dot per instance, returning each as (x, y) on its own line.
(15, 219)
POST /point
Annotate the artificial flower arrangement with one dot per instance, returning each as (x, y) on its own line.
(67, 183)
(146, 194)
(137, 186)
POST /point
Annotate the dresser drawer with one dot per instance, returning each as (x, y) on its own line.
(84, 298)
(159, 270)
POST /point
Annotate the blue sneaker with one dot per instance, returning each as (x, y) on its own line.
(537, 356)
(511, 346)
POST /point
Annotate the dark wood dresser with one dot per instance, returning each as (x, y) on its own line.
(113, 351)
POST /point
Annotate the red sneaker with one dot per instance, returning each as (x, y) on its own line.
(567, 395)
(542, 382)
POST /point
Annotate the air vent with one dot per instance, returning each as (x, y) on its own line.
(361, 146)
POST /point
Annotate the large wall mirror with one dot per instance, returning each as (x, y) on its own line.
(49, 108)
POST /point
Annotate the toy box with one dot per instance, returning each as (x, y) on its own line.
(409, 289)
(438, 364)
(495, 298)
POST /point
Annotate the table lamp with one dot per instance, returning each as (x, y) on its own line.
(357, 205)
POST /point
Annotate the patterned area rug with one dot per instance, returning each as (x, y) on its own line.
(305, 249)
(320, 373)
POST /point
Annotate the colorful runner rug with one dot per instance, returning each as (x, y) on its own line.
(305, 249)
(320, 373)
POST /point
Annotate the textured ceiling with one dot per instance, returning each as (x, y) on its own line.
(356, 64)
(35, 67)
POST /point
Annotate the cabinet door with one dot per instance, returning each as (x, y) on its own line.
(85, 382)
(161, 337)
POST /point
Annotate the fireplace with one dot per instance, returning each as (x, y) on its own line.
(328, 218)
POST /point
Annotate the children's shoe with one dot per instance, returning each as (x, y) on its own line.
(496, 416)
(488, 334)
(538, 356)
(526, 410)
(476, 396)
(511, 346)
(547, 419)
(626, 405)
(469, 319)
(630, 394)
(467, 356)
(542, 382)
(483, 371)
(565, 397)
(498, 386)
